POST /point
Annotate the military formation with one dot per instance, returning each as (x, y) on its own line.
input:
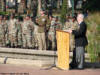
(26, 33)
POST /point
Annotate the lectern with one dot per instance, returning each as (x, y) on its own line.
(63, 49)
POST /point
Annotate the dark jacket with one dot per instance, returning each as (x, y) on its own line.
(80, 35)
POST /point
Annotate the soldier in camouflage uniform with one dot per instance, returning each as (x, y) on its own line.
(1, 32)
(5, 31)
(52, 33)
(26, 32)
(71, 23)
(19, 32)
(47, 31)
(57, 26)
(32, 25)
(73, 27)
(13, 31)
(58, 23)
(42, 21)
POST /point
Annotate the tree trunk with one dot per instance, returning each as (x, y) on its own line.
(39, 6)
(16, 6)
(43, 4)
(34, 8)
(26, 4)
(0, 5)
(29, 4)
(21, 7)
(64, 11)
(58, 4)
(4, 8)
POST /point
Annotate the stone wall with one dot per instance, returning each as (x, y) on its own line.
(32, 57)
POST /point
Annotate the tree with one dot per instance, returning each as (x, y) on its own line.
(34, 7)
(64, 11)
(22, 7)
(4, 6)
(39, 6)
(26, 4)
(44, 4)
(16, 6)
(91, 5)
(58, 4)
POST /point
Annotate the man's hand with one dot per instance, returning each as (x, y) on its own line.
(70, 31)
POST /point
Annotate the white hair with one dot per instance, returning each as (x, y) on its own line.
(81, 16)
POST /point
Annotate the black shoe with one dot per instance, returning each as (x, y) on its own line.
(73, 65)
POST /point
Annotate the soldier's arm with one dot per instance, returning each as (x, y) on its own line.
(16, 23)
(48, 24)
(32, 25)
(37, 21)
(9, 28)
(21, 26)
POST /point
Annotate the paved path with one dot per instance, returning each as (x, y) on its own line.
(29, 70)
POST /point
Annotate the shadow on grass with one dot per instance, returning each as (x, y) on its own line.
(95, 65)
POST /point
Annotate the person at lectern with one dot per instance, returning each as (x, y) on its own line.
(80, 43)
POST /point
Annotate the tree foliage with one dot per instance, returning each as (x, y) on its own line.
(64, 11)
(92, 5)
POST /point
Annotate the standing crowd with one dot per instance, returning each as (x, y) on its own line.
(23, 32)
(26, 33)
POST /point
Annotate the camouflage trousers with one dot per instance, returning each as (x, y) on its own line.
(13, 40)
(1, 40)
(5, 39)
(35, 40)
(27, 43)
(52, 39)
(72, 42)
(19, 39)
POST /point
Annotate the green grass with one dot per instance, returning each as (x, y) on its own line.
(4, 13)
(93, 34)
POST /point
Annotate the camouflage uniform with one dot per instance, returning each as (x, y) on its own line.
(42, 20)
(55, 25)
(19, 34)
(26, 34)
(58, 25)
(35, 35)
(13, 32)
(47, 31)
(73, 26)
(32, 33)
(5, 32)
(1, 34)
(52, 34)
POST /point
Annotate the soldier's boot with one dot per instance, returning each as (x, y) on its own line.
(33, 44)
(12, 45)
(53, 45)
(29, 45)
(24, 42)
(15, 44)
(24, 45)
